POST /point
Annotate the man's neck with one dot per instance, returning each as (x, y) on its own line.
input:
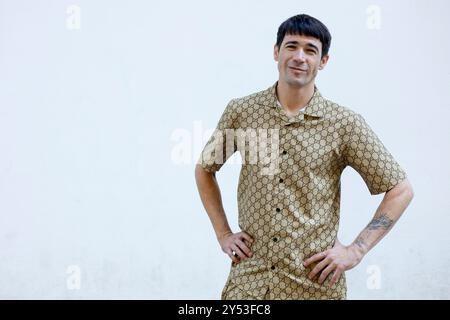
(294, 99)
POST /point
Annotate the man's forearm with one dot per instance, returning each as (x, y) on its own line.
(389, 211)
(209, 191)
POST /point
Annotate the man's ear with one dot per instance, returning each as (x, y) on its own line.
(275, 52)
(323, 61)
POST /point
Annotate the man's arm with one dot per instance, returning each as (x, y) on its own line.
(341, 258)
(209, 191)
(394, 203)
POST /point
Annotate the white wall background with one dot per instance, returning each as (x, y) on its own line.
(88, 112)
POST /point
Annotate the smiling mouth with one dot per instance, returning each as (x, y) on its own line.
(297, 69)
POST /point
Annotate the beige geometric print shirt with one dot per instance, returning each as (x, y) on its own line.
(290, 204)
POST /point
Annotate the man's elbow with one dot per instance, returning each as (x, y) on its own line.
(409, 189)
(405, 188)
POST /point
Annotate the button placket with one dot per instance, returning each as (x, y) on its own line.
(278, 180)
(274, 240)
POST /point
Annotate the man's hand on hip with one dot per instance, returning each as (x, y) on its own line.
(236, 245)
(333, 261)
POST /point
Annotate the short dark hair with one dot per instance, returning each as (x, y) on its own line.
(305, 25)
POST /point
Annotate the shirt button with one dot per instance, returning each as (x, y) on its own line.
(278, 209)
(281, 180)
(275, 239)
(284, 152)
(272, 267)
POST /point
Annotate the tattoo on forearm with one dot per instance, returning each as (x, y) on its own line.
(381, 222)
(360, 241)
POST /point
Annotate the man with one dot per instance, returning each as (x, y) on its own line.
(289, 214)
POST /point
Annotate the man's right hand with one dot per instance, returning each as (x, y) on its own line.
(236, 245)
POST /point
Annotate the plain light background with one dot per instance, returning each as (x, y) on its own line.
(92, 118)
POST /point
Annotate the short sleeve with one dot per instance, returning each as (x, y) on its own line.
(222, 143)
(365, 153)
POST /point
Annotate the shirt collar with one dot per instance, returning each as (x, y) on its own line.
(315, 106)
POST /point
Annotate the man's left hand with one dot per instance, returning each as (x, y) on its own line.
(335, 260)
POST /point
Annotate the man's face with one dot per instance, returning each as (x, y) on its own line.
(299, 59)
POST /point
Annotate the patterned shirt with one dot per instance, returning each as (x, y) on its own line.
(292, 210)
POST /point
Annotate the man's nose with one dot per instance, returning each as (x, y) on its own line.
(300, 55)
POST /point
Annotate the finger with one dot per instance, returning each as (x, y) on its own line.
(244, 248)
(314, 258)
(326, 272)
(319, 267)
(247, 237)
(335, 278)
(232, 257)
(239, 252)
